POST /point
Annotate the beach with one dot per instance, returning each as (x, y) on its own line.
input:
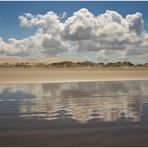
(73, 74)
(22, 122)
(41, 75)
(99, 113)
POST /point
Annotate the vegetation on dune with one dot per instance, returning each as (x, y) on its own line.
(69, 64)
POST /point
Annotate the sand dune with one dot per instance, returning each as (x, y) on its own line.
(52, 59)
(54, 69)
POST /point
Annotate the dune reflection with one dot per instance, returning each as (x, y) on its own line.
(83, 101)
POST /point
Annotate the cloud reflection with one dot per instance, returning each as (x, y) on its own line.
(82, 101)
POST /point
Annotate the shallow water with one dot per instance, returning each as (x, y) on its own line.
(82, 101)
(73, 105)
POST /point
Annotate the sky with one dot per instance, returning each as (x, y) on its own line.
(95, 31)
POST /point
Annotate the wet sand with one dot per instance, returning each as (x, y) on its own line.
(75, 137)
(21, 75)
(31, 133)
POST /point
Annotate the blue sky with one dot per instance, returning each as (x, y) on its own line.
(9, 12)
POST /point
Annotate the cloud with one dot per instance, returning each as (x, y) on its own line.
(111, 56)
(54, 45)
(109, 34)
(48, 23)
(135, 22)
(79, 26)
(46, 41)
(106, 31)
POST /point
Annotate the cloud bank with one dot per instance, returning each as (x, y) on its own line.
(110, 35)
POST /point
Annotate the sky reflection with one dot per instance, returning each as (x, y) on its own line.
(82, 101)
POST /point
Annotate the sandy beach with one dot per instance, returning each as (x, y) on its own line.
(22, 75)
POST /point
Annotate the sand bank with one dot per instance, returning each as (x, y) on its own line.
(20, 75)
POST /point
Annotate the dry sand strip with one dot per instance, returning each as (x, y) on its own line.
(17, 75)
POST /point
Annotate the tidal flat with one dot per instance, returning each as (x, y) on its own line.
(101, 113)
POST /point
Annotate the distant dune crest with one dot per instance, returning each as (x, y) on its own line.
(69, 64)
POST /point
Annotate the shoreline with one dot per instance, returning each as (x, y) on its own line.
(58, 75)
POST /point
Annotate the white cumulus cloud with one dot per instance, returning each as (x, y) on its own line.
(110, 35)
